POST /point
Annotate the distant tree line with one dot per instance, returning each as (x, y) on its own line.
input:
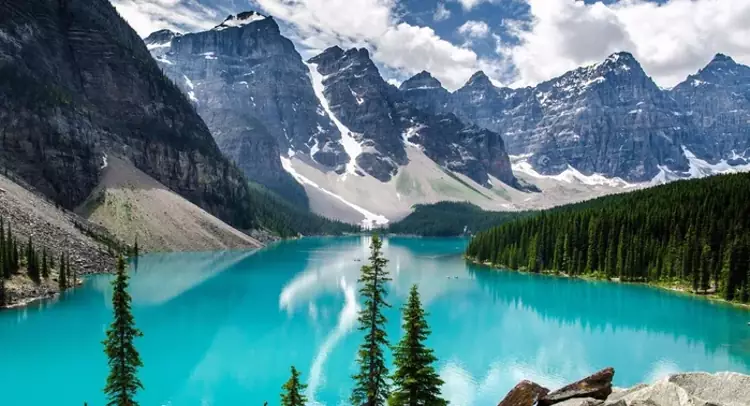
(18, 259)
(693, 232)
(449, 219)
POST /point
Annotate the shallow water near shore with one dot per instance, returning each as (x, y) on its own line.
(222, 328)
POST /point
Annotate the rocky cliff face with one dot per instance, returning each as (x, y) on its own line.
(382, 122)
(609, 118)
(717, 102)
(76, 84)
(252, 89)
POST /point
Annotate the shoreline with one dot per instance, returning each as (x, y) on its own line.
(662, 286)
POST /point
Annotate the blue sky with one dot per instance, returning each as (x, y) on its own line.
(516, 42)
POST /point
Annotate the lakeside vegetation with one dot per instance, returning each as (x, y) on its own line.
(692, 233)
(18, 260)
(450, 219)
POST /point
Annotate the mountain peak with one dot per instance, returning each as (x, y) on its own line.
(722, 58)
(239, 20)
(160, 38)
(479, 78)
(624, 60)
(422, 80)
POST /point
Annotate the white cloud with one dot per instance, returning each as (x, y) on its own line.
(441, 13)
(147, 16)
(671, 40)
(474, 29)
(373, 24)
(469, 4)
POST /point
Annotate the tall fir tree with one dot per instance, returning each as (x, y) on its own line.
(293, 394)
(370, 387)
(123, 358)
(45, 265)
(62, 280)
(415, 381)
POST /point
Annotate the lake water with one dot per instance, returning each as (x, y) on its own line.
(223, 328)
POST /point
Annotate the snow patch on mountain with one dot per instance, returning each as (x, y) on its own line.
(352, 147)
(240, 20)
(700, 168)
(520, 163)
(370, 219)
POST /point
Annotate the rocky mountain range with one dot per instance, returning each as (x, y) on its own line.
(251, 87)
(609, 119)
(335, 119)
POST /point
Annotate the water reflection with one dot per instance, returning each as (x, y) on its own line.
(223, 328)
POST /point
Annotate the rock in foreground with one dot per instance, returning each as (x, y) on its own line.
(597, 386)
(526, 393)
(688, 389)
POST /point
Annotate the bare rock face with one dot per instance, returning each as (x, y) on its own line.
(253, 90)
(385, 122)
(596, 386)
(609, 118)
(526, 393)
(76, 84)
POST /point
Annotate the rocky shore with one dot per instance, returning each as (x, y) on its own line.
(89, 247)
(685, 389)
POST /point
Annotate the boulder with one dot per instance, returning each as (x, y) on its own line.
(690, 389)
(526, 393)
(597, 386)
(581, 402)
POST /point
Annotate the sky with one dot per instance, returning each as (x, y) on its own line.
(515, 42)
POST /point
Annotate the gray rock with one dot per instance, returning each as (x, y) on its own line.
(717, 101)
(690, 389)
(526, 393)
(581, 402)
(597, 386)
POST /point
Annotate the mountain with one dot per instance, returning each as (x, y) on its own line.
(76, 84)
(717, 101)
(609, 119)
(79, 89)
(332, 123)
(383, 124)
(253, 91)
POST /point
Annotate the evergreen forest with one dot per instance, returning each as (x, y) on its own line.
(450, 219)
(694, 233)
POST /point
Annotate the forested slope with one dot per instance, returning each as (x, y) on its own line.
(447, 219)
(695, 232)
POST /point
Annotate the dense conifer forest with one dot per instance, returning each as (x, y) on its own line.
(448, 219)
(695, 233)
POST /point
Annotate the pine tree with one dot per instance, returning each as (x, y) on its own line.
(123, 358)
(45, 265)
(415, 380)
(293, 391)
(2, 290)
(32, 267)
(370, 387)
(62, 281)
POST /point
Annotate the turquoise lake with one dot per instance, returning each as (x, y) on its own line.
(223, 328)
